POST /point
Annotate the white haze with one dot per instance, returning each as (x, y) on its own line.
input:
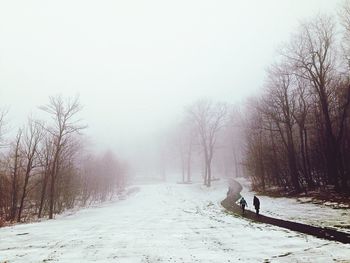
(136, 64)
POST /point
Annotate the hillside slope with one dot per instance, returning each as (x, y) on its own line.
(162, 223)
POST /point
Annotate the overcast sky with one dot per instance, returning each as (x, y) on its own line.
(136, 64)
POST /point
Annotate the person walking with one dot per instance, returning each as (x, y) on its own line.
(256, 203)
(243, 204)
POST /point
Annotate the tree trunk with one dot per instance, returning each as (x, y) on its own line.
(43, 193)
(14, 187)
(183, 170)
(331, 144)
(292, 160)
(24, 193)
(261, 164)
(305, 167)
(189, 157)
(209, 173)
(205, 174)
(52, 196)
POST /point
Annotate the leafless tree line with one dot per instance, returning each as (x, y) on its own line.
(206, 140)
(46, 169)
(298, 131)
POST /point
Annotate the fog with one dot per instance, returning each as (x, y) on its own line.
(136, 64)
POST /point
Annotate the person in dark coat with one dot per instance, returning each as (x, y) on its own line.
(243, 204)
(256, 203)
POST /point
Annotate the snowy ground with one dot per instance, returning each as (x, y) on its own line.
(163, 223)
(294, 210)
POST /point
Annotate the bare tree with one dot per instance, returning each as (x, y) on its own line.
(15, 174)
(63, 113)
(232, 142)
(306, 107)
(209, 119)
(345, 20)
(312, 54)
(183, 140)
(255, 148)
(31, 140)
(279, 105)
(45, 157)
(300, 116)
(43, 169)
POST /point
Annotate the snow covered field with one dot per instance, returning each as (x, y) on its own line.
(163, 223)
(292, 209)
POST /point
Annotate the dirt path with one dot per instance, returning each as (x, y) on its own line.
(230, 204)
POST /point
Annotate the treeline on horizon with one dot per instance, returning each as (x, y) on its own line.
(298, 130)
(45, 169)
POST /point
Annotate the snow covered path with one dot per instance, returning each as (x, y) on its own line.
(162, 223)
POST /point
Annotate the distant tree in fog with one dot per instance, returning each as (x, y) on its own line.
(231, 144)
(184, 141)
(102, 176)
(208, 119)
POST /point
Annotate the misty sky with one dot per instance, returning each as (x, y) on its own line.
(136, 64)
